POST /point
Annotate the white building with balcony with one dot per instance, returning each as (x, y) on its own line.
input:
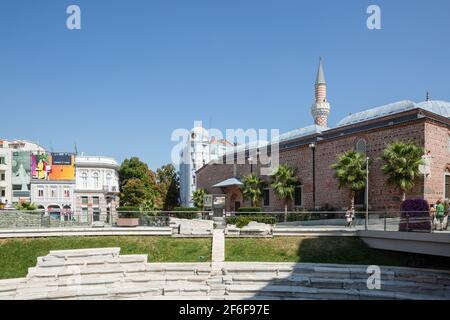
(96, 189)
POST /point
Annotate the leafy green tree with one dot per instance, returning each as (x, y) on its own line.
(401, 165)
(198, 197)
(169, 186)
(252, 188)
(134, 193)
(135, 168)
(350, 171)
(284, 182)
(137, 183)
(147, 205)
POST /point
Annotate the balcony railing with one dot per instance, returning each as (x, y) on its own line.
(110, 189)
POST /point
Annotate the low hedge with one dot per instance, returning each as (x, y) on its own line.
(249, 209)
(185, 215)
(129, 214)
(187, 209)
(128, 208)
(242, 221)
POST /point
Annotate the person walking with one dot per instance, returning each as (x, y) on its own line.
(348, 217)
(433, 216)
(440, 213)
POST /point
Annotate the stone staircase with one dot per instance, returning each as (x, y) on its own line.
(105, 274)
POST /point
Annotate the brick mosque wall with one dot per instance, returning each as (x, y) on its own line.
(431, 136)
(437, 139)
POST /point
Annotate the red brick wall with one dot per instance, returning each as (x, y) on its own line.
(437, 142)
(382, 197)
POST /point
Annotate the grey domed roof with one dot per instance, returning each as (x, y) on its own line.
(396, 107)
(378, 112)
(439, 107)
(301, 132)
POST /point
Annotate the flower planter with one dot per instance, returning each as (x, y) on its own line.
(127, 222)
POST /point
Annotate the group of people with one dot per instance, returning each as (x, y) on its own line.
(439, 216)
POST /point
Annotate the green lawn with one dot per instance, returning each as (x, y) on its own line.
(345, 250)
(17, 255)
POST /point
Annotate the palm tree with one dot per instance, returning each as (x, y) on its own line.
(284, 183)
(198, 197)
(252, 188)
(401, 165)
(350, 171)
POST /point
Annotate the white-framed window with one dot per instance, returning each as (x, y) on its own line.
(53, 193)
(108, 179)
(40, 192)
(66, 193)
(298, 196)
(95, 178)
(84, 180)
(2, 160)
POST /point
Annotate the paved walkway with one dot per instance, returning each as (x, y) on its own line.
(218, 249)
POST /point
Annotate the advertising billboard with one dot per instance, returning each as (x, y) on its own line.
(21, 173)
(62, 166)
(40, 166)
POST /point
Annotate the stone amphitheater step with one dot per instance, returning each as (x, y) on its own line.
(299, 292)
(104, 274)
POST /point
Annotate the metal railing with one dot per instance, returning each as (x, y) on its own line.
(377, 220)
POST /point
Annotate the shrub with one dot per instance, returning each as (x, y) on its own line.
(242, 221)
(128, 208)
(248, 210)
(129, 214)
(415, 216)
(186, 212)
(26, 206)
(187, 209)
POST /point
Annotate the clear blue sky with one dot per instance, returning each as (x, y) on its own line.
(137, 70)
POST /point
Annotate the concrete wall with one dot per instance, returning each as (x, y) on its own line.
(416, 242)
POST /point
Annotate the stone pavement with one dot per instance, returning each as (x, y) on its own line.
(218, 249)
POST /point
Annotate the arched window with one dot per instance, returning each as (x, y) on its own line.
(108, 178)
(84, 179)
(96, 180)
(361, 146)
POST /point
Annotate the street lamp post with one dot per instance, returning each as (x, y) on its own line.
(250, 160)
(367, 193)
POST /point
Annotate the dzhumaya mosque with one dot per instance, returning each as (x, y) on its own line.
(312, 150)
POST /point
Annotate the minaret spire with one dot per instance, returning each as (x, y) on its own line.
(320, 108)
(320, 79)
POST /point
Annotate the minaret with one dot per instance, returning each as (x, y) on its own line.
(320, 109)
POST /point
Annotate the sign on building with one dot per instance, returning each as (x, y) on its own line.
(208, 201)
